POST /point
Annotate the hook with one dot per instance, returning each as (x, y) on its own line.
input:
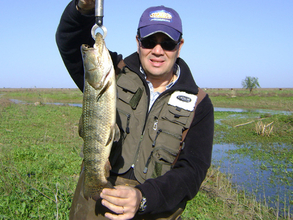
(95, 27)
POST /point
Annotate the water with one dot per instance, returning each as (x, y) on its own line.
(267, 185)
(17, 101)
(262, 111)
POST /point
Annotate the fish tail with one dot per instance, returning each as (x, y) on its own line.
(95, 193)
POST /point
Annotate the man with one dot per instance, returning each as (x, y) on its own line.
(153, 177)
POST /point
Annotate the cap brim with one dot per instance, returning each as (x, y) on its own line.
(159, 28)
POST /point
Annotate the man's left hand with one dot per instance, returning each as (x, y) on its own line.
(123, 200)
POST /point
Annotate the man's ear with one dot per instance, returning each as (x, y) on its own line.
(137, 42)
(180, 46)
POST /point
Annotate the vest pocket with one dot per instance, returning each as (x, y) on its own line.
(159, 161)
(129, 93)
(177, 115)
(165, 146)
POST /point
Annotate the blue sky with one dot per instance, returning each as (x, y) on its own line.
(225, 40)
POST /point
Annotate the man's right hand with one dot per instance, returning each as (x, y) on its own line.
(86, 6)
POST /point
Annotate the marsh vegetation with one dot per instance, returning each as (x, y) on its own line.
(39, 155)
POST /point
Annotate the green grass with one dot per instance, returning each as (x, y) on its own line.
(44, 95)
(39, 148)
(40, 163)
(274, 99)
(234, 126)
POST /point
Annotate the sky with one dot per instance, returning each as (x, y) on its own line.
(225, 40)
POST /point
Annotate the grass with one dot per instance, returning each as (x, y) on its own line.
(39, 157)
(237, 131)
(39, 160)
(44, 95)
(275, 99)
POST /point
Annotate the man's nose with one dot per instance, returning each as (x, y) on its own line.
(158, 49)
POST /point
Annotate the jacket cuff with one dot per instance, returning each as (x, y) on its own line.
(150, 193)
(78, 14)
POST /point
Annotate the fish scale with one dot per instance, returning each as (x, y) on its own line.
(98, 116)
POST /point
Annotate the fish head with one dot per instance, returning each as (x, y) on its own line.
(97, 62)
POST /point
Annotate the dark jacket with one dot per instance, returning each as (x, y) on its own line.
(183, 181)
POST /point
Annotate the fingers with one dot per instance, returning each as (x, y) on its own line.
(113, 207)
(119, 191)
(123, 200)
(86, 6)
(121, 211)
(118, 197)
(119, 217)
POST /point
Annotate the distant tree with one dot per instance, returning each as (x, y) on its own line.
(250, 83)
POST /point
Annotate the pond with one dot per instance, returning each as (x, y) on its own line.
(270, 181)
(262, 111)
(267, 183)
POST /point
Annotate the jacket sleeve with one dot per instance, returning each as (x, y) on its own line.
(74, 30)
(183, 182)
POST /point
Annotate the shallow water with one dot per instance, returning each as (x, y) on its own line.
(249, 175)
(17, 101)
(263, 111)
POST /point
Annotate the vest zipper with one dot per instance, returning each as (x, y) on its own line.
(145, 170)
(154, 142)
(137, 150)
(127, 124)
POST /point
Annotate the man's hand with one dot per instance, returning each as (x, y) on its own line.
(86, 6)
(123, 200)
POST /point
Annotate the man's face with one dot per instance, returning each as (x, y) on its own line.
(158, 62)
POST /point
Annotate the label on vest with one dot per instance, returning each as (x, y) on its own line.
(183, 100)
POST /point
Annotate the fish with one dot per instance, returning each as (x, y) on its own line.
(98, 120)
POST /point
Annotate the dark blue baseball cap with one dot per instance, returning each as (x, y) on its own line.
(160, 19)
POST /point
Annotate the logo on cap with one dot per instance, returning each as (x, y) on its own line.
(161, 15)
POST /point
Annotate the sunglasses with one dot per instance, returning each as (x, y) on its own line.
(148, 43)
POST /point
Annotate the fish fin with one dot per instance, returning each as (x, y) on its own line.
(107, 168)
(94, 193)
(117, 133)
(80, 128)
(111, 136)
(97, 195)
(84, 188)
(114, 135)
(87, 195)
(106, 84)
(81, 151)
(109, 185)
